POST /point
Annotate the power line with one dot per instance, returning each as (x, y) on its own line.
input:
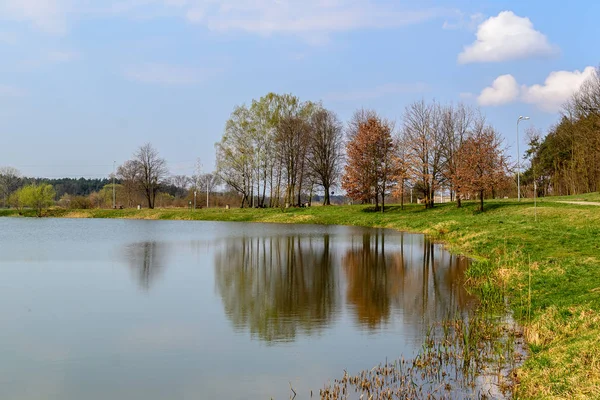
(60, 165)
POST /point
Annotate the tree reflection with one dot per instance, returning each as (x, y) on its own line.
(280, 287)
(146, 259)
(415, 279)
(433, 282)
(373, 278)
(277, 287)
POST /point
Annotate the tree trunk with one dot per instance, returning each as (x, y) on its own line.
(278, 187)
(149, 198)
(481, 200)
(326, 200)
(402, 195)
(300, 188)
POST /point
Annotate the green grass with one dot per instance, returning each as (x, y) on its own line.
(549, 269)
(594, 197)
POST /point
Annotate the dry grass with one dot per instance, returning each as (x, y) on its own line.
(565, 359)
(77, 214)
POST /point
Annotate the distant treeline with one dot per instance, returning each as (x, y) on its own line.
(72, 186)
(11, 180)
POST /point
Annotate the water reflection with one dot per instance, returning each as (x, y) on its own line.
(277, 287)
(169, 309)
(147, 261)
(414, 278)
(374, 279)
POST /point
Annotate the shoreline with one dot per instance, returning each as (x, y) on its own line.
(553, 259)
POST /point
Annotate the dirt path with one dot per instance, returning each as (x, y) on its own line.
(581, 203)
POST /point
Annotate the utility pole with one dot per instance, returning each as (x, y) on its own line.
(534, 198)
(521, 118)
(113, 185)
(207, 183)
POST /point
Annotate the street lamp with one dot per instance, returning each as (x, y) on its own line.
(521, 118)
(208, 177)
(195, 192)
(113, 187)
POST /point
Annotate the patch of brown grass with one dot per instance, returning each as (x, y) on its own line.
(77, 214)
(566, 363)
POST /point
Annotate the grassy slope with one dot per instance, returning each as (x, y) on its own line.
(559, 255)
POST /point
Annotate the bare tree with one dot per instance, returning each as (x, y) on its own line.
(586, 100)
(424, 143)
(128, 174)
(402, 168)
(325, 150)
(359, 117)
(9, 182)
(292, 142)
(181, 183)
(457, 123)
(152, 171)
(205, 184)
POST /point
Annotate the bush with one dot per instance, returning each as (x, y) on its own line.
(37, 197)
(80, 203)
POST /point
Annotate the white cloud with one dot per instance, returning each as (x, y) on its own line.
(378, 91)
(60, 56)
(164, 74)
(504, 90)
(506, 37)
(558, 87)
(312, 19)
(310, 16)
(463, 21)
(46, 15)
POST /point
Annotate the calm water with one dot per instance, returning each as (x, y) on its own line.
(111, 309)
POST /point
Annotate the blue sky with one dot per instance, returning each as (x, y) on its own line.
(86, 82)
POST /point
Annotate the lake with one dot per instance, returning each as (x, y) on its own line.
(127, 309)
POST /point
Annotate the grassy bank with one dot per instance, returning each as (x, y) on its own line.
(550, 270)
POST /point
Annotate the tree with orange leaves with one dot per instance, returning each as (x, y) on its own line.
(481, 163)
(371, 161)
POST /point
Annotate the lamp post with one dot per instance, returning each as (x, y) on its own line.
(113, 185)
(521, 118)
(208, 177)
(195, 192)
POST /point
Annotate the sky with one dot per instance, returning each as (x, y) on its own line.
(84, 83)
